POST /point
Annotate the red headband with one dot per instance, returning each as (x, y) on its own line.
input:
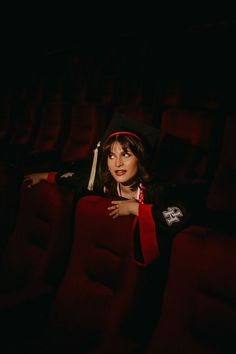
(125, 132)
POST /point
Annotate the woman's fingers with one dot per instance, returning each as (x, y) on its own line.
(123, 207)
(114, 211)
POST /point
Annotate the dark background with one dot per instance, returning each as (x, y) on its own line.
(181, 37)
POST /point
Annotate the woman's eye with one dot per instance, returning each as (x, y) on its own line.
(111, 156)
(126, 154)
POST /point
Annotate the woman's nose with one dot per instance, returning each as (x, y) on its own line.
(119, 161)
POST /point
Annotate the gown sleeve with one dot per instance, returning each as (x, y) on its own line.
(168, 210)
(76, 180)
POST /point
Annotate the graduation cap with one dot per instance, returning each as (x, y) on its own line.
(122, 124)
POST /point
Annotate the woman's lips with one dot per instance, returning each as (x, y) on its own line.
(120, 172)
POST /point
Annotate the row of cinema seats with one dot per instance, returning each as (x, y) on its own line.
(188, 150)
(36, 128)
(66, 284)
(41, 136)
(60, 136)
(35, 144)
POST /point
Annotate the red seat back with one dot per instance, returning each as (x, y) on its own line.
(100, 282)
(25, 118)
(222, 194)
(87, 124)
(49, 129)
(198, 314)
(37, 251)
(184, 144)
(5, 118)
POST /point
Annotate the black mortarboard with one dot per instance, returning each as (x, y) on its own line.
(123, 124)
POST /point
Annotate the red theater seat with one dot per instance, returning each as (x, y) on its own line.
(49, 137)
(10, 181)
(198, 314)
(87, 124)
(36, 247)
(22, 134)
(171, 94)
(35, 257)
(199, 310)
(49, 129)
(5, 119)
(25, 116)
(100, 284)
(184, 144)
(222, 194)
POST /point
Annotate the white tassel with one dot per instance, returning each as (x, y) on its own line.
(93, 168)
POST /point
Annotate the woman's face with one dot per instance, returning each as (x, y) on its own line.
(122, 164)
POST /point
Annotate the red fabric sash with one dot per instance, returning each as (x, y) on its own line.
(148, 235)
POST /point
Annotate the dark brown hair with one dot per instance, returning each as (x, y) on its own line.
(138, 149)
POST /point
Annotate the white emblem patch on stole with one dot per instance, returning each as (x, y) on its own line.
(172, 215)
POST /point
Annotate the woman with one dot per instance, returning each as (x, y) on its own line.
(124, 175)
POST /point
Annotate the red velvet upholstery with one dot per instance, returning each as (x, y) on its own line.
(35, 256)
(33, 263)
(50, 127)
(22, 117)
(9, 199)
(25, 116)
(171, 95)
(99, 285)
(184, 144)
(87, 124)
(49, 137)
(199, 311)
(222, 194)
(5, 118)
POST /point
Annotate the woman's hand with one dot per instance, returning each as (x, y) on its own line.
(123, 207)
(35, 178)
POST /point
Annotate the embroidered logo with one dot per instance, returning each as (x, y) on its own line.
(67, 174)
(172, 215)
